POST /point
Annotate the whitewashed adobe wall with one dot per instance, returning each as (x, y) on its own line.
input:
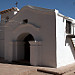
(46, 33)
(1, 40)
(64, 48)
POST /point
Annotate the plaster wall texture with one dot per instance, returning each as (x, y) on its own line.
(1, 40)
(64, 48)
(41, 25)
(34, 60)
(2, 48)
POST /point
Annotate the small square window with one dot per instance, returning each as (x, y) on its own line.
(25, 21)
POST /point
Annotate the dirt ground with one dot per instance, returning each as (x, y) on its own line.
(15, 69)
(10, 69)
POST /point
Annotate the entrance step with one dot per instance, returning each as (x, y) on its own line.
(21, 62)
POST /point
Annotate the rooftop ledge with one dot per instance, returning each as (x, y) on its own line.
(8, 10)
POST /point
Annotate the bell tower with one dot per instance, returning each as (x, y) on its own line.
(6, 15)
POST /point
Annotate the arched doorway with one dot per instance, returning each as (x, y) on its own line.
(26, 40)
(23, 48)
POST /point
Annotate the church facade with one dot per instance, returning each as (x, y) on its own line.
(39, 36)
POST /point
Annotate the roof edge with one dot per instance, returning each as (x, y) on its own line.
(38, 8)
(8, 10)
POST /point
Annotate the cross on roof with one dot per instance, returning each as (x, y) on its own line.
(16, 4)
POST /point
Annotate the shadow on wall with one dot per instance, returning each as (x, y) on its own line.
(68, 40)
(0, 18)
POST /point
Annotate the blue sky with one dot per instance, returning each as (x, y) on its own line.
(66, 7)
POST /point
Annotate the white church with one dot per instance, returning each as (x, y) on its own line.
(39, 36)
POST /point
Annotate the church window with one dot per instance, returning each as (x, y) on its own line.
(25, 21)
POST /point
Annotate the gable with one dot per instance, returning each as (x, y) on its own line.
(34, 16)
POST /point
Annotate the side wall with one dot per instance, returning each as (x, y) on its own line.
(64, 46)
(1, 40)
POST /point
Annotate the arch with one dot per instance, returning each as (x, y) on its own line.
(25, 30)
(23, 48)
(22, 36)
